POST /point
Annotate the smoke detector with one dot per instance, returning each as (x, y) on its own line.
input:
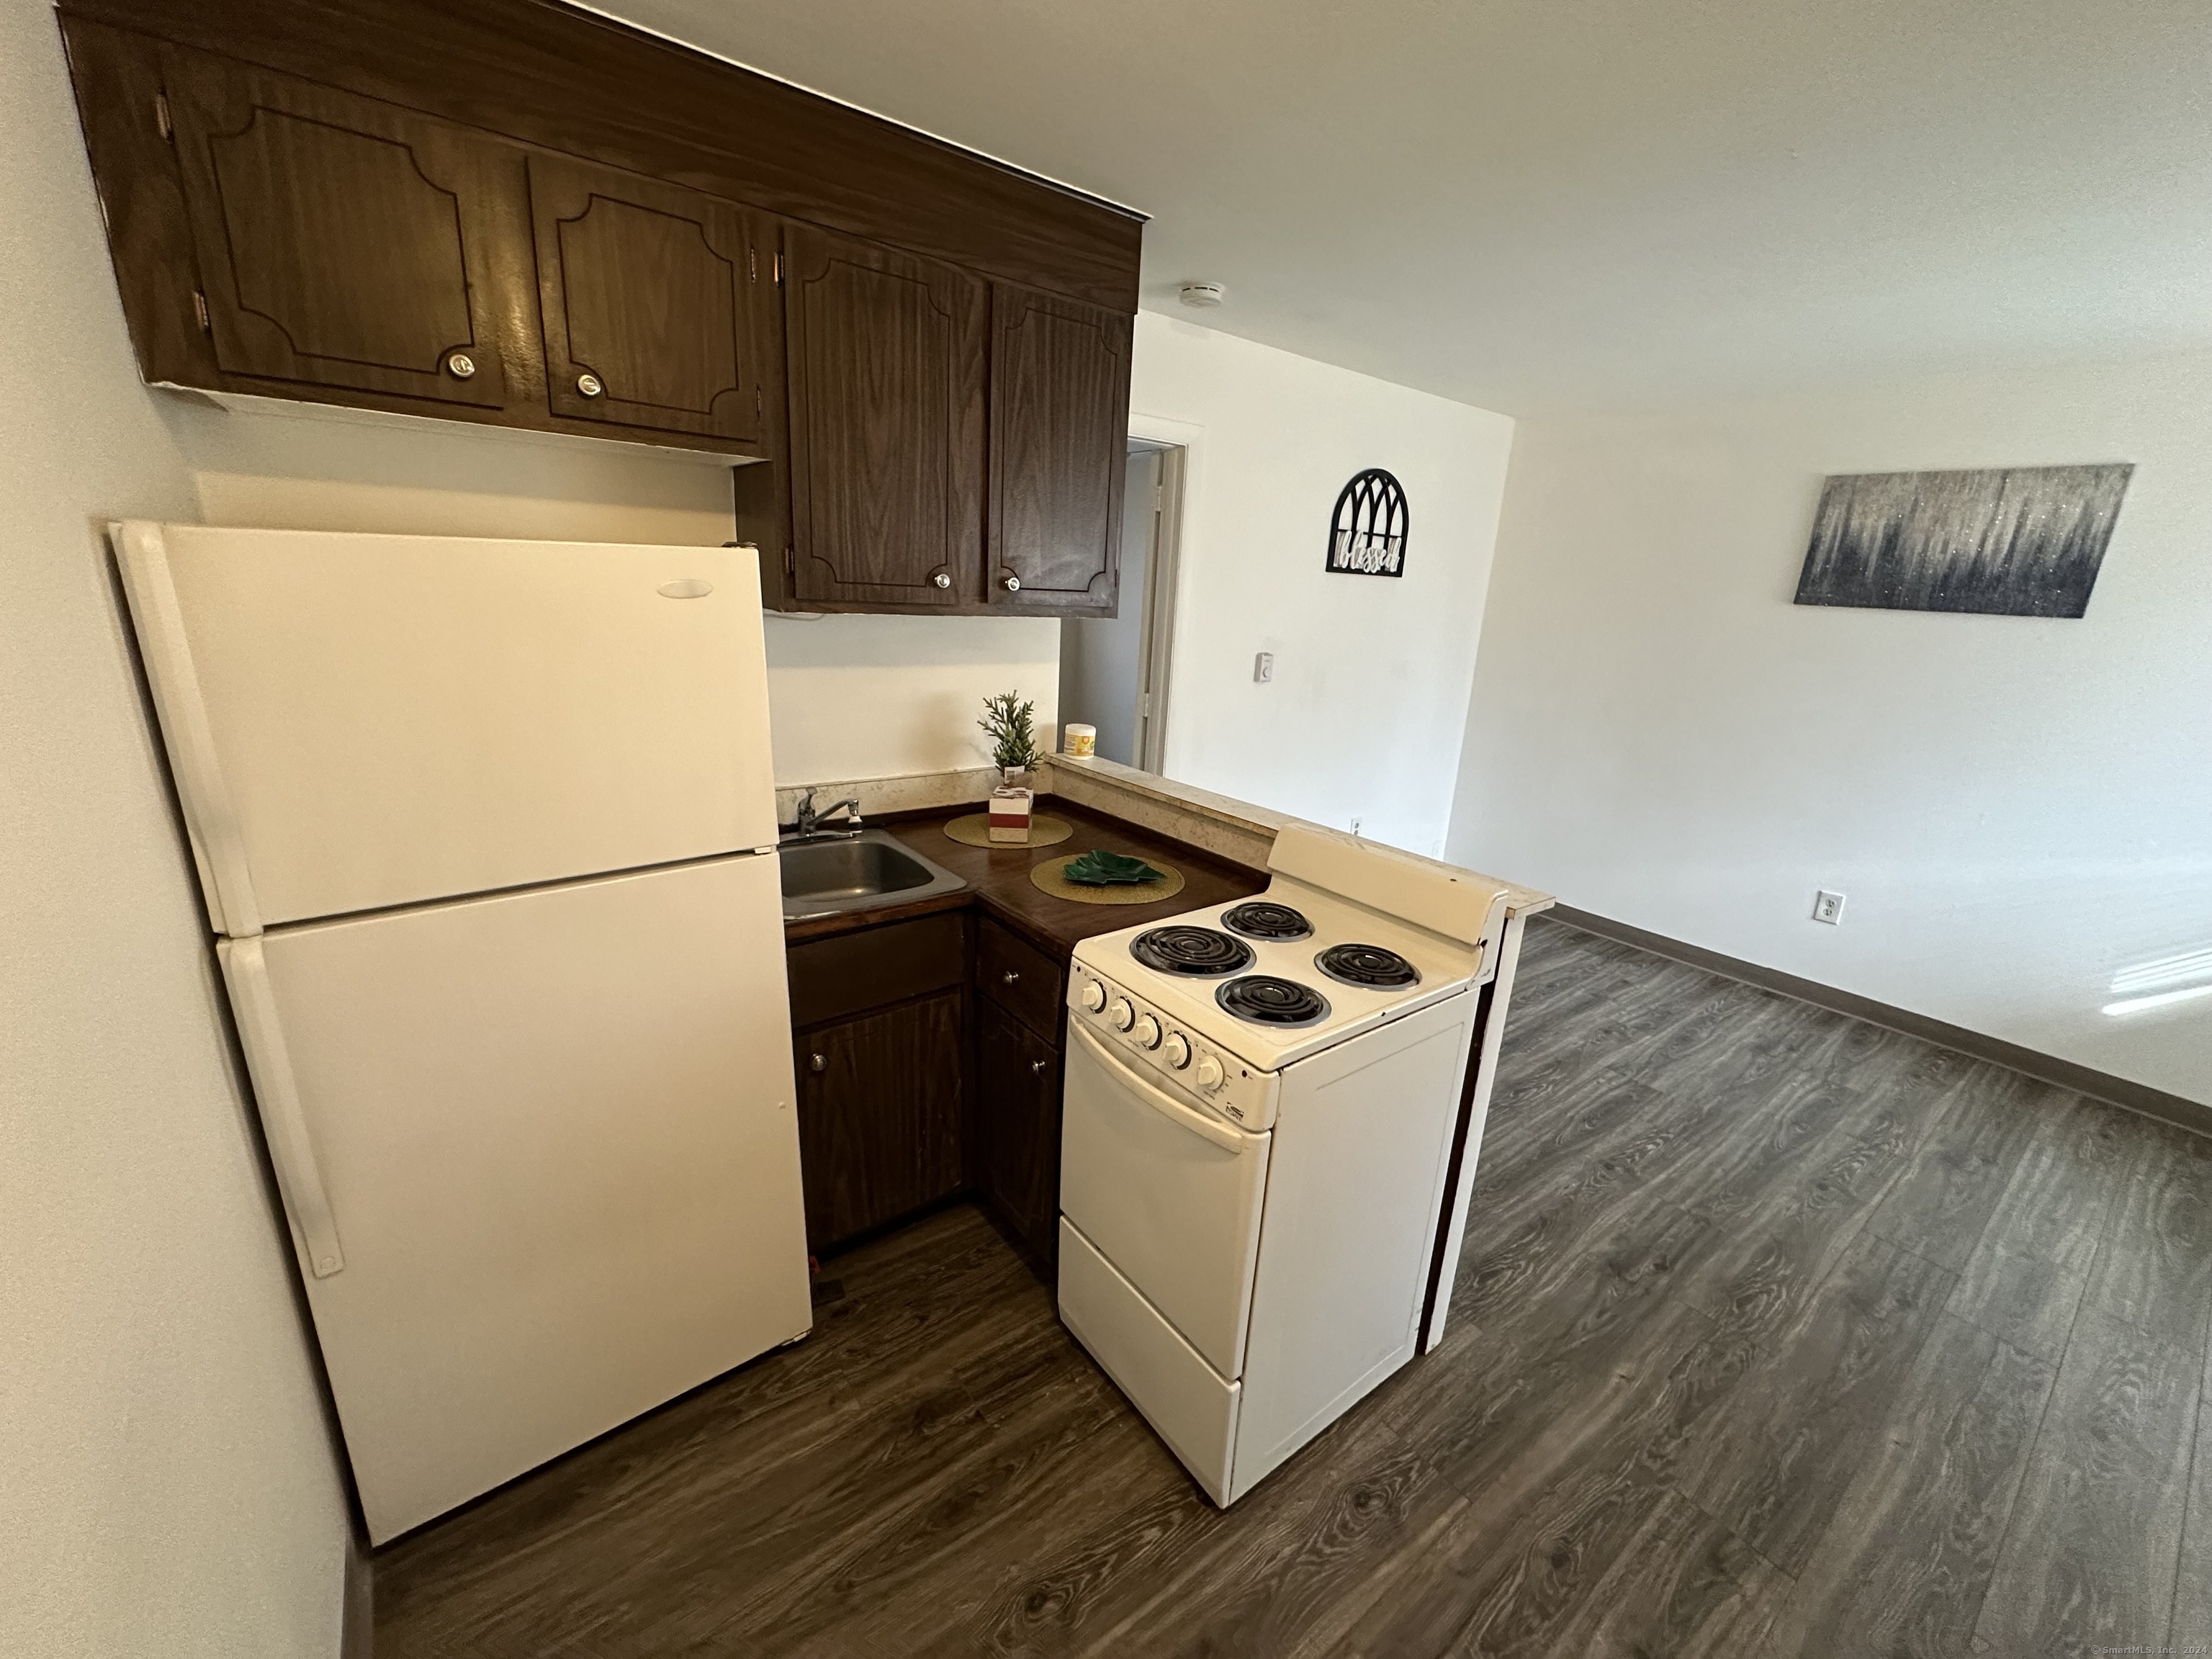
(1204, 295)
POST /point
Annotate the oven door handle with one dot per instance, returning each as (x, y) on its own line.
(1221, 1134)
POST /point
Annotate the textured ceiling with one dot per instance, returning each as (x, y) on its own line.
(1545, 203)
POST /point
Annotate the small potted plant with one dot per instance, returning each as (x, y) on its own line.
(1012, 726)
(1011, 723)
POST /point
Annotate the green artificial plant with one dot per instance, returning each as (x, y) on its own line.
(1011, 723)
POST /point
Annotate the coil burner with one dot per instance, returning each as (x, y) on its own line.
(1266, 1001)
(1263, 919)
(1196, 951)
(1368, 965)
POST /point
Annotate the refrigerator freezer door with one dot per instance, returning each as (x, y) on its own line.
(556, 1133)
(361, 721)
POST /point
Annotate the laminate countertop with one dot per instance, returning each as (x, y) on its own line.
(999, 879)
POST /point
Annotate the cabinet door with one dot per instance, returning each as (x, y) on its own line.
(1020, 1103)
(343, 242)
(885, 358)
(651, 295)
(879, 1109)
(1060, 437)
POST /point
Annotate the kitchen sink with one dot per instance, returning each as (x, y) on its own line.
(827, 875)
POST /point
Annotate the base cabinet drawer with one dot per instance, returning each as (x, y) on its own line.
(1018, 1075)
(848, 974)
(879, 1116)
(1020, 978)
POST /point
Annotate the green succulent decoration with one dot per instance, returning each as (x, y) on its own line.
(1011, 723)
(1100, 868)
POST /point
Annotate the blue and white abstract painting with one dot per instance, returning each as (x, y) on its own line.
(2019, 541)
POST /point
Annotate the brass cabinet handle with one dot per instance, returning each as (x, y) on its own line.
(1037, 1067)
(460, 365)
(818, 1063)
(942, 579)
(590, 384)
(1011, 584)
(1009, 976)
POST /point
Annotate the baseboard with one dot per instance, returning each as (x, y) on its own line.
(357, 1612)
(2176, 1109)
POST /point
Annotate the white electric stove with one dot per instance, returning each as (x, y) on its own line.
(1270, 1124)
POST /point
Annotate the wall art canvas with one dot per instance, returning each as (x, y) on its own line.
(2017, 541)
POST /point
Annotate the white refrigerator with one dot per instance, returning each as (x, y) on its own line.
(486, 832)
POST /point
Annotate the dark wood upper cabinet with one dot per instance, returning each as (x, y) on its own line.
(884, 356)
(652, 301)
(343, 243)
(518, 214)
(560, 78)
(1059, 412)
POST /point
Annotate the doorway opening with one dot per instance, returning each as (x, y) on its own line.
(1114, 673)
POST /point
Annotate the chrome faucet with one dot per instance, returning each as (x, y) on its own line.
(806, 821)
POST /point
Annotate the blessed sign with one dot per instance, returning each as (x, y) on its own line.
(1367, 532)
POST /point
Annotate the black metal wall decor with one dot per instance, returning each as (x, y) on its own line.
(1367, 532)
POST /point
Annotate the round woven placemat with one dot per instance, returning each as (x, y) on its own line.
(1050, 876)
(974, 829)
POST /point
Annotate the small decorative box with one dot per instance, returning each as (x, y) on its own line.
(1010, 815)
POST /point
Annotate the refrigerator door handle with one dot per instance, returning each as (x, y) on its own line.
(277, 1092)
(151, 588)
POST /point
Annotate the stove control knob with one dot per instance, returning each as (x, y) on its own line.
(1094, 995)
(1148, 1032)
(1209, 1073)
(1178, 1050)
(1122, 1014)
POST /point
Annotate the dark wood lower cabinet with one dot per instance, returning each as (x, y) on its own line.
(1019, 1091)
(880, 1101)
(903, 1102)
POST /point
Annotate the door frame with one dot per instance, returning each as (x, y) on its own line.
(1178, 445)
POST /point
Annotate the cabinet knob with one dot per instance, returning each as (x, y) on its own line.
(1038, 1067)
(1011, 584)
(590, 384)
(1009, 976)
(942, 580)
(818, 1063)
(460, 365)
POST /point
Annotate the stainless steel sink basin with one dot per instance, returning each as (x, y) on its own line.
(822, 878)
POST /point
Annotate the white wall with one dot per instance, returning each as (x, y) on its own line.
(2017, 809)
(849, 696)
(1365, 716)
(167, 1486)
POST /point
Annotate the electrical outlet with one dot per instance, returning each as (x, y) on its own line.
(1355, 826)
(1828, 907)
(1263, 667)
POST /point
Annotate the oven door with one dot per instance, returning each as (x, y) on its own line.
(1167, 1192)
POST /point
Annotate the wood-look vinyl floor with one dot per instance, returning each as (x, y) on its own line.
(1776, 1334)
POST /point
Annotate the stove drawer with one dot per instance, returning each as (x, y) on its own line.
(1168, 1194)
(1189, 1406)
